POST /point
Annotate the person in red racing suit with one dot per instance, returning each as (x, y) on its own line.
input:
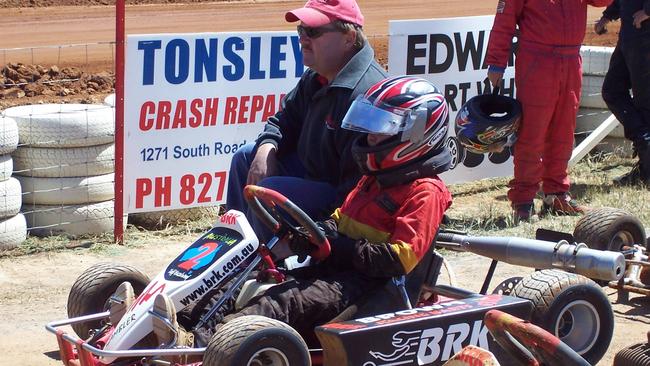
(548, 77)
(385, 225)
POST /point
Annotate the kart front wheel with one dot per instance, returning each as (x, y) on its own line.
(571, 307)
(255, 340)
(91, 292)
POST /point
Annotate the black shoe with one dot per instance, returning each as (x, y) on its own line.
(631, 178)
(523, 212)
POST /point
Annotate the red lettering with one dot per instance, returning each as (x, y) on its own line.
(230, 114)
(142, 188)
(243, 108)
(229, 218)
(180, 116)
(146, 109)
(221, 176)
(195, 120)
(269, 107)
(211, 109)
(257, 104)
(163, 191)
(162, 119)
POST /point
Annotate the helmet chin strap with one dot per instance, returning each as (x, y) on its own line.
(416, 133)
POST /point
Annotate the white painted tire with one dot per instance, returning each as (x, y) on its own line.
(67, 191)
(72, 220)
(595, 59)
(592, 95)
(70, 162)
(13, 231)
(110, 100)
(6, 167)
(64, 125)
(160, 219)
(8, 135)
(588, 119)
(10, 197)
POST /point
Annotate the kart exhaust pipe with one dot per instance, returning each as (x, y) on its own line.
(577, 258)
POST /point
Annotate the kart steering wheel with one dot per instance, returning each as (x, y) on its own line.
(274, 219)
(529, 343)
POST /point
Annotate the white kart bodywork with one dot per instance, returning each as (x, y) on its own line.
(202, 266)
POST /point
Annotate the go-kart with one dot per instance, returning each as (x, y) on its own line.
(442, 320)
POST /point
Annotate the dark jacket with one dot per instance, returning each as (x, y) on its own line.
(624, 10)
(310, 119)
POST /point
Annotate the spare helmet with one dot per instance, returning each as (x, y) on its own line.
(409, 109)
(488, 122)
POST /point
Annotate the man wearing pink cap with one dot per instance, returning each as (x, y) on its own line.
(302, 152)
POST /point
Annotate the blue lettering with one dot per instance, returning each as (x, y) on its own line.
(256, 73)
(206, 60)
(148, 62)
(277, 56)
(236, 71)
(297, 55)
(180, 48)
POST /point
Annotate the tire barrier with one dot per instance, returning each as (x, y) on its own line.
(67, 191)
(58, 163)
(64, 125)
(6, 167)
(8, 135)
(70, 220)
(160, 219)
(110, 100)
(10, 198)
(595, 59)
(13, 231)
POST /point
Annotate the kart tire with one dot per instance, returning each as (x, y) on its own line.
(472, 159)
(92, 289)
(457, 151)
(571, 307)
(609, 229)
(634, 355)
(499, 157)
(243, 339)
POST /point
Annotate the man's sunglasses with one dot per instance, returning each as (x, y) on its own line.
(314, 32)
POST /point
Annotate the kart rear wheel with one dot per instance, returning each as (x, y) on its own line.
(255, 340)
(94, 287)
(609, 229)
(571, 307)
(634, 355)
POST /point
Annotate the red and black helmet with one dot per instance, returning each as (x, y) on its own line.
(409, 109)
(488, 122)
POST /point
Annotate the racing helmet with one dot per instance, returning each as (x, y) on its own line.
(409, 109)
(488, 122)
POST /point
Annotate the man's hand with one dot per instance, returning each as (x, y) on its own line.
(495, 78)
(640, 17)
(264, 164)
(601, 26)
(300, 244)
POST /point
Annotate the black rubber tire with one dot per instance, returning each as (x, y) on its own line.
(92, 289)
(472, 160)
(609, 229)
(558, 298)
(457, 151)
(499, 157)
(634, 355)
(240, 339)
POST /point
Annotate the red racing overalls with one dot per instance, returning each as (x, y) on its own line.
(548, 78)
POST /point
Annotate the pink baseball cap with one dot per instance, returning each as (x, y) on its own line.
(317, 13)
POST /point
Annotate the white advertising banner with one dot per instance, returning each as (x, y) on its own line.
(451, 54)
(191, 100)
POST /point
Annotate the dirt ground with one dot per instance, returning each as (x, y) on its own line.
(33, 289)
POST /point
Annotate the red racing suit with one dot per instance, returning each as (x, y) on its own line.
(548, 79)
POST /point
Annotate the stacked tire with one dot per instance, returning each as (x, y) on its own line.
(13, 227)
(593, 109)
(65, 163)
(161, 219)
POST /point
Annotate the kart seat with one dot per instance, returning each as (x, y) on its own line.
(389, 298)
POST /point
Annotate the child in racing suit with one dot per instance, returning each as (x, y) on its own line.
(385, 225)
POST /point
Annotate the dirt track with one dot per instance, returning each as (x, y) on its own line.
(33, 290)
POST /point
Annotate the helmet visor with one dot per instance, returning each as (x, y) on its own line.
(364, 116)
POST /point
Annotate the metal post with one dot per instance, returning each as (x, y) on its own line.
(119, 121)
